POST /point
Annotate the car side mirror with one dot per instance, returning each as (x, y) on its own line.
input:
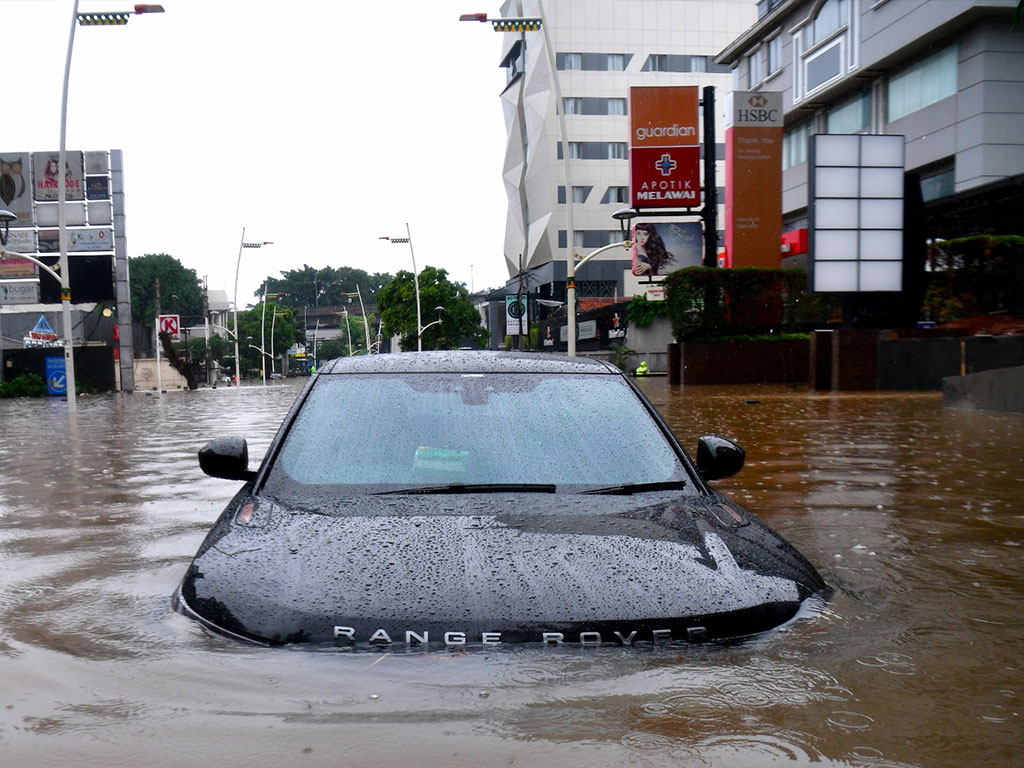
(718, 457)
(226, 458)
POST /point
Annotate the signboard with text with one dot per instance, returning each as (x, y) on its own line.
(46, 177)
(23, 292)
(664, 147)
(753, 178)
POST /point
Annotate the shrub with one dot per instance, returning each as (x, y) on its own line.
(26, 385)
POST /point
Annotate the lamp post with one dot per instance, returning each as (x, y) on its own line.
(532, 24)
(85, 19)
(416, 281)
(241, 245)
(362, 308)
(273, 322)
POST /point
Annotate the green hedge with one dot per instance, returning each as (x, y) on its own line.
(704, 304)
(26, 385)
(973, 276)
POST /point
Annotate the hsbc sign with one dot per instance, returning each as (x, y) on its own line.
(754, 108)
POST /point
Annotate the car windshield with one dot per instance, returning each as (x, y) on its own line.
(369, 433)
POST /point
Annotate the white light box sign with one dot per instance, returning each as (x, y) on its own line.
(855, 213)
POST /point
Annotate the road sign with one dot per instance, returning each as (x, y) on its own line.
(169, 324)
(56, 376)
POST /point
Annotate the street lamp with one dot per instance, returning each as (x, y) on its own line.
(273, 322)
(242, 244)
(532, 24)
(416, 280)
(85, 19)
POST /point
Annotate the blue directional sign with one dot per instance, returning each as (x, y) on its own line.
(56, 376)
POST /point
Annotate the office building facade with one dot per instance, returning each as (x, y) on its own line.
(598, 50)
(948, 75)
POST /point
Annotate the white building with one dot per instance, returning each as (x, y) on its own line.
(600, 49)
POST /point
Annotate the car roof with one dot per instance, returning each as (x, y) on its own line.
(464, 361)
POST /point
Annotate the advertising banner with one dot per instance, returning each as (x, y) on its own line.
(516, 321)
(14, 268)
(21, 241)
(660, 246)
(753, 178)
(90, 240)
(664, 147)
(45, 176)
(15, 194)
(19, 293)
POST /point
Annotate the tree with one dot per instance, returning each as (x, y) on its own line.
(310, 287)
(175, 280)
(460, 320)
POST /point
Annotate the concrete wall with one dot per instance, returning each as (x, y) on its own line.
(922, 364)
(999, 390)
(145, 375)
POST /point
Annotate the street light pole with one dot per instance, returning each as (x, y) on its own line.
(86, 19)
(242, 244)
(524, 24)
(416, 282)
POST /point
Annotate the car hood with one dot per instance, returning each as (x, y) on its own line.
(431, 570)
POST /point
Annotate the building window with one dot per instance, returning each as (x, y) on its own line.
(515, 61)
(616, 62)
(794, 145)
(616, 150)
(852, 116)
(579, 194)
(616, 195)
(662, 62)
(824, 66)
(941, 184)
(569, 60)
(825, 48)
(591, 238)
(754, 74)
(593, 62)
(774, 50)
(831, 18)
(593, 106)
(922, 84)
(596, 150)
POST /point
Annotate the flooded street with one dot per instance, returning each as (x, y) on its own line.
(913, 513)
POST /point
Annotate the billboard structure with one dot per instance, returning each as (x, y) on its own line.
(855, 212)
(98, 261)
(664, 147)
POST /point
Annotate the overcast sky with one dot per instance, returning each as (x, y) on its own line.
(318, 125)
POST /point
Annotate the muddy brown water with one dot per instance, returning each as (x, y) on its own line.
(915, 514)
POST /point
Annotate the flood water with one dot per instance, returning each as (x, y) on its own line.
(913, 513)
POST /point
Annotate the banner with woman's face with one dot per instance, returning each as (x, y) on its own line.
(661, 246)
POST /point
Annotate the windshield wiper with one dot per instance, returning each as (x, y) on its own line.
(630, 488)
(474, 488)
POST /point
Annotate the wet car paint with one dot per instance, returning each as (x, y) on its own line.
(464, 570)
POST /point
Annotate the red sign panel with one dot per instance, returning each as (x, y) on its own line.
(169, 324)
(664, 164)
(665, 177)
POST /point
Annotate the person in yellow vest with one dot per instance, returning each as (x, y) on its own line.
(641, 370)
